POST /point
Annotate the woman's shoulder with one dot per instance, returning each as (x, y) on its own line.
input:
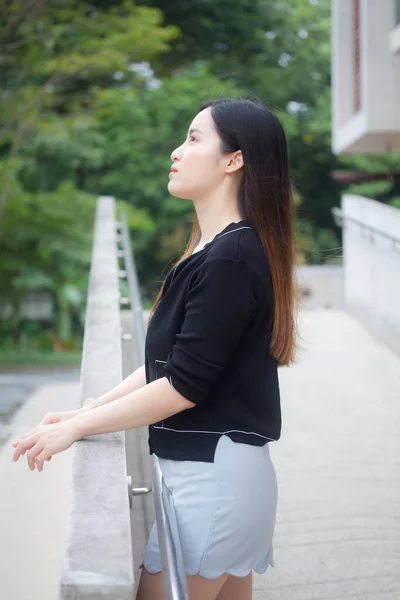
(242, 245)
(239, 243)
(244, 248)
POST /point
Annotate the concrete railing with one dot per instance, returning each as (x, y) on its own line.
(98, 561)
(371, 256)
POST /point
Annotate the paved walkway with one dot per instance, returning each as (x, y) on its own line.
(17, 386)
(337, 462)
(33, 505)
(338, 466)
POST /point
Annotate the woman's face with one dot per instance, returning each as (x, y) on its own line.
(199, 162)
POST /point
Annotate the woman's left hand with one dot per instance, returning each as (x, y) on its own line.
(45, 441)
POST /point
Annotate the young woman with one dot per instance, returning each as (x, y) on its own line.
(222, 324)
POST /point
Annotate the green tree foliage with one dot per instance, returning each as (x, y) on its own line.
(384, 168)
(223, 35)
(55, 57)
(96, 95)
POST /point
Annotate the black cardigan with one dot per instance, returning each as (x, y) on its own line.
(209, 337)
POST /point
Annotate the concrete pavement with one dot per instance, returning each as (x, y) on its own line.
(338, 468)
(33, 505)
(17, 386)
(337, 463)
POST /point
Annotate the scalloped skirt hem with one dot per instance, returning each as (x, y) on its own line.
(225, 511)
(260, 568)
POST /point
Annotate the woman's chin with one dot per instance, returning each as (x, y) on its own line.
(175, 191)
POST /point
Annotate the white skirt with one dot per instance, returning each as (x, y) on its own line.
(225, 511)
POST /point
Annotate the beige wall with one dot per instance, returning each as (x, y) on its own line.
(372, 266)
(376, 127)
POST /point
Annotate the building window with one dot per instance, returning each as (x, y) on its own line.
(357, 56)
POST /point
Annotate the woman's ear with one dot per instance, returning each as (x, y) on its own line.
(235, 162)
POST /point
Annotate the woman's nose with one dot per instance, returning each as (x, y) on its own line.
(175, 154)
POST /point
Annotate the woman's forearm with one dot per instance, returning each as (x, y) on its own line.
(154, 402)
(133, 382)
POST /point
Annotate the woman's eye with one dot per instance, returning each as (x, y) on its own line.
(191, 137)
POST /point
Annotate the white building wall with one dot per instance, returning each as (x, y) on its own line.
(381, 70)
(342, 72)
(376, 126)
(372, 266)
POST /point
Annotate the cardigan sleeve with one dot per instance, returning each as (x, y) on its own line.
(219, 305)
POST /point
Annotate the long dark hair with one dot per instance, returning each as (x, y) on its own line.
(265, 200)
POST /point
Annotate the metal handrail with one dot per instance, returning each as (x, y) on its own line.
(174, 578)
(340, 217)
(133, 285)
